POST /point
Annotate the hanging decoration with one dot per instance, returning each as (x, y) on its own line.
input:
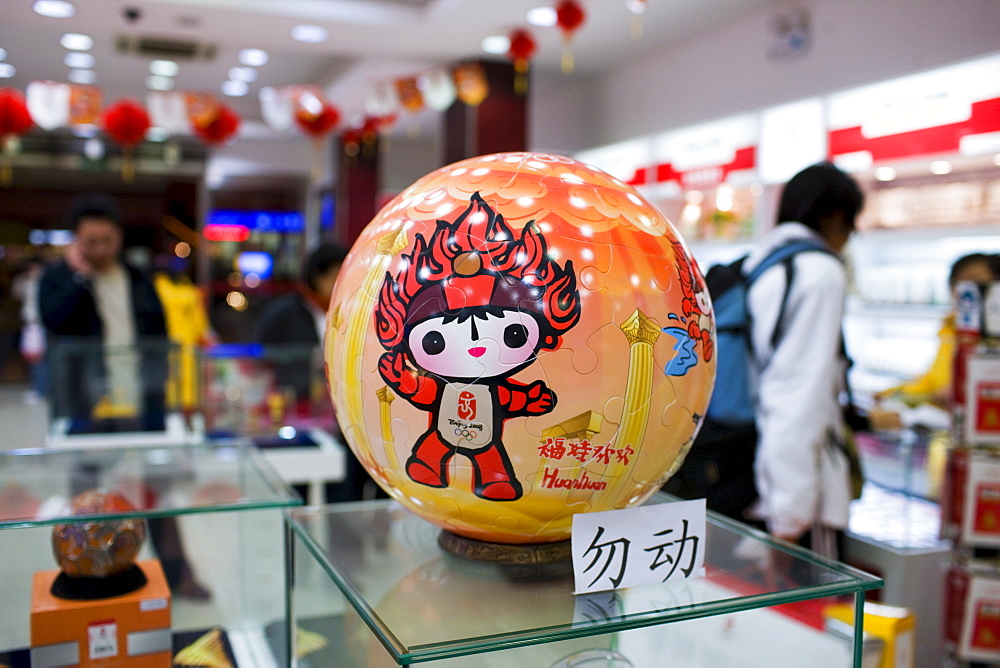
(169, 110)
(48, 103)
(220, 129)
(471, 84)
(277, 106)
(569, 18)
(14, 120)
(409, 94)
(84, 105)
(318, 119)
(522, 49)
(437, 88)
(126, 122)
(638, 8)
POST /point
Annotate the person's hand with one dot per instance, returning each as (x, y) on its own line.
(76, 261)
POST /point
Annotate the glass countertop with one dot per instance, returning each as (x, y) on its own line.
(424, 604)
(37, 485)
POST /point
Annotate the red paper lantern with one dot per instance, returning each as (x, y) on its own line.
(126, 122)
(221, 128)
(14, 116)
(522, 48)
(320, 123)
(569, 18)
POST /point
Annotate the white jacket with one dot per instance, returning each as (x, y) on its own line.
(802, 480)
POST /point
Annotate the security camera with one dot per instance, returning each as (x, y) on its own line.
(132, 14)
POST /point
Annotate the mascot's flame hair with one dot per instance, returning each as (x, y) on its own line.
(477, 262)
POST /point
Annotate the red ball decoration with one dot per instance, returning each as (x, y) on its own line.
(522, 48)
(221, 128)
(569, 16)
(318, 124)
(126, 122)
(14, 116)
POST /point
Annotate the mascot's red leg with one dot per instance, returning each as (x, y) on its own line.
(428, 463)
(494, 476)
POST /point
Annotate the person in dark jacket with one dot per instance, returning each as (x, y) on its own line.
(91, 298)
(96, 309)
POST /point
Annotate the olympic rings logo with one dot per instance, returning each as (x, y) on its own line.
(467, 434)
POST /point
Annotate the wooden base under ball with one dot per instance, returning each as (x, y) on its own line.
(520, 561)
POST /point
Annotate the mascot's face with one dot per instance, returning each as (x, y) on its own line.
(487, 344)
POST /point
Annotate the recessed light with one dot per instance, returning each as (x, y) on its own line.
(310, 34)
(885, 174)
(940, 167)
(252, 57)
(245, 74)
(164, 68)
(3, 54)
(496, 44)
(75, 41)
(154, 82)
(235, 88)
(79, 60)
(7, 71)
(54, 9)
(543, 17)
(84, 77)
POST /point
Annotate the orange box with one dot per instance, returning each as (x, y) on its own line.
(120, 631)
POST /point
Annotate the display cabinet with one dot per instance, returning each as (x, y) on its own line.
(371, 587)
(223, 499)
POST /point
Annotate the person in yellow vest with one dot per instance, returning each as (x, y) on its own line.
(934, 385)
(188, 326)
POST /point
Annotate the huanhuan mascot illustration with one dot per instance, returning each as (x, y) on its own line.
(516, 338)
(473, 307)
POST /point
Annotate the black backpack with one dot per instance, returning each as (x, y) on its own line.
(719, 465)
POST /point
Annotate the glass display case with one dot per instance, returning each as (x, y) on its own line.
(222, 502)
(371, 587)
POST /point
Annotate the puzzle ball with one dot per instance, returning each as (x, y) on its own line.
(516, 338)
(97, 548)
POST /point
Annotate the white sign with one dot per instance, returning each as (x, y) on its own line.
(102, 640)
(638, 546)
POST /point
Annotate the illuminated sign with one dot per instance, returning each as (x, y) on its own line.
(223, 232)
(258, 221)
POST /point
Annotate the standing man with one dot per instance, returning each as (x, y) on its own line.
(92, 297)
(96, 309)
(802, 470)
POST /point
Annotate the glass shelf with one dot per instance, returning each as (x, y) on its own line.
(36, 485)
(422, 604)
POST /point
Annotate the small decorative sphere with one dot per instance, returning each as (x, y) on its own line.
(516, 338)
(98, 548)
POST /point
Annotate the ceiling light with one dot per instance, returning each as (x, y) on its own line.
(54, 9)
(543, 17)
(885, 174)
(79, 60)
(164, 68)
(235, 88)
(940, 167)
(496, 44)
(252, 57)
(246, 74)
(74, 41)
(310, 34)
(3, 54)
(154, 82)
(84, 77)
(7, 71)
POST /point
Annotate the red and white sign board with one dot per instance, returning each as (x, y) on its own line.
(949, 110)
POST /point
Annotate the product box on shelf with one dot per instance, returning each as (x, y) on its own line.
(982, 399)
(970, 501)
(893, 625)
(972, 614)
(121, 631)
